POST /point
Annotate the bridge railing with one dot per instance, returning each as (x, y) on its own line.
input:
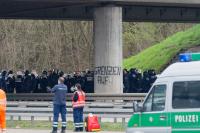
(106, 106)
(89, 97)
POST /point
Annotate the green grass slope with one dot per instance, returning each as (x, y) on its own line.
(159, 55)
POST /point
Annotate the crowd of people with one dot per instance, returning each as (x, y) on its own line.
(30, 82)
(136, 82)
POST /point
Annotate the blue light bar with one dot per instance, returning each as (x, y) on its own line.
(186, 57)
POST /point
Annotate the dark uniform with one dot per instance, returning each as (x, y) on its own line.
(125, 81)
(3, 81)
(152, 76)
(146, 82)
(59, 103)
(52, 79)
(133, 81)
(68, 83)
(10, 83)
(139, 82)
(55, 77)
(26, 83)
(18, 83)
(89, 82)
(43, 83)
(79, 79)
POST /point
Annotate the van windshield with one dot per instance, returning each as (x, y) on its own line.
(186, 94)
(156, 99)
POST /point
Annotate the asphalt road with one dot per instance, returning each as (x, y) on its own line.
(44, 131)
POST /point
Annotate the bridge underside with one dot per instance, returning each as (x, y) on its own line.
(132, 10)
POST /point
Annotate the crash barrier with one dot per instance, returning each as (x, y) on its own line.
(36, 110)
(36, 106)
(89, 97)
(49, 117)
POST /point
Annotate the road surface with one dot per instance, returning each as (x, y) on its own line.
(45, 131)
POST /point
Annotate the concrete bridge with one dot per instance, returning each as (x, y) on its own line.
(107, 16)
(132, 10)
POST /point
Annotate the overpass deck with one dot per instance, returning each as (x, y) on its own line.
(133, 10)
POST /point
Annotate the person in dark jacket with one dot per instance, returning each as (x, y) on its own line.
(43, 83)
(27, 82)
(10, 82)
(55, 77)
(18, 82)
(52, 78)
(34, 82)
(68, 83)
(126, 81)
(89, 82)
(3, 80)
(146, 85)
(61, 74)
(139, 82)
(152, 76)
(59, 105)
(133, 80)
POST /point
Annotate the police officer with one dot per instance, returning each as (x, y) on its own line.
(89, 82)
(3, 80)
(152, 75)
(125, 81)
(34, 82)
(59, 104)
(43, 83)
(55, 77)
(133, 80)
(146, 85)
(10, 82)
(26, 82)
(78, 103)
(19, 82)
(139, 82)
(2, 111)
(68, 82)
(61, 74)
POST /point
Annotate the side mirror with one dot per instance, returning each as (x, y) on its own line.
(137, 107)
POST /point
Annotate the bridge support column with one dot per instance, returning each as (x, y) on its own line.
(108, 49)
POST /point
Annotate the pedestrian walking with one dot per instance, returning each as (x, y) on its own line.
(2, 111)
(78, 103)
(59, 105)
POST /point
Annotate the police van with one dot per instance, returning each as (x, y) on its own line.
(173, 103)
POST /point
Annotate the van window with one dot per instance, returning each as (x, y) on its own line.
(186, 95)
(156, 99)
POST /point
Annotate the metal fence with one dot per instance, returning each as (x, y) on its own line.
(89, 97)
(36, 106)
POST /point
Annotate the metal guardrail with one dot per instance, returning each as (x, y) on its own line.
(42, 109)
(35, 105)
(89, 97)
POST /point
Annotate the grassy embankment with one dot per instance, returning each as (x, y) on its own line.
(159, 55)
(105, 126)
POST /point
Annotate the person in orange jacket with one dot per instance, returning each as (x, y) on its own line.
(78, 103)
(2, 111)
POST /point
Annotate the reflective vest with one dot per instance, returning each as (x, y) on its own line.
(81, 100)
(2, 100)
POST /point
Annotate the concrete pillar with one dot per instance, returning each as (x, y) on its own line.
(108, 50)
